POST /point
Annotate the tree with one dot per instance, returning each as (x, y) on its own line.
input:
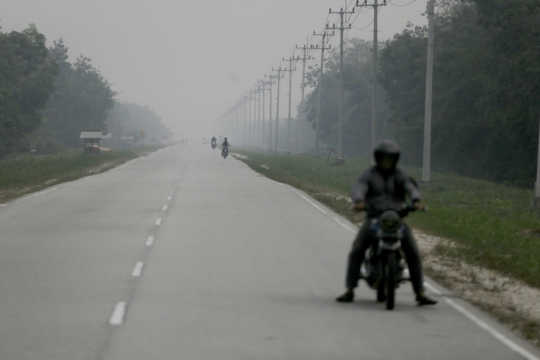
(81, 101)
(26, 82)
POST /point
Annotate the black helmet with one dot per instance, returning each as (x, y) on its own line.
(386, 147)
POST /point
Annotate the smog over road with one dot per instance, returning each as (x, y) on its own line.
(302, 179)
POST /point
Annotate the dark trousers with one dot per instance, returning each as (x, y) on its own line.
(363, 241)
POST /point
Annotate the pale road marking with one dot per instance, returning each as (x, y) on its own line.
(137, 270)
(311, 202)
(344, 225)
(172, 192)
(86, 178)
(118, 314)
(169, 198)
(126, 164)
(149, 241)
(482, 324)
(276, 182)
(158, 221)
(36, 194)
(165, 207)
(2, 205)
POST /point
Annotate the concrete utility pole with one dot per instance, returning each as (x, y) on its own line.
(269, 88)
(426, 166)
(245, 135)
(374, 82)
(258, 128)
(301, 113)
(279, 77)
(270, 82)
(290, 70)
(320, 82)
(341, 29)
(251, 98)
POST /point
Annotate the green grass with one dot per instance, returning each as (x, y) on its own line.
(492, 221)
(22, 174)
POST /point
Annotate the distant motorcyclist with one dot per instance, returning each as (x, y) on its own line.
(225, 147)
(213, 139)
(384, 183)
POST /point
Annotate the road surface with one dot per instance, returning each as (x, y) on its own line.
(184, 255)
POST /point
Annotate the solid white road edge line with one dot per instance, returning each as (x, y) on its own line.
(158, 221)
(165, 207)
(149, 241)
(137, 270)
(274, 181)
(126, 164)
(482, 324)
(36, 194)
(345, 225)
(118, 314)
(311, 202)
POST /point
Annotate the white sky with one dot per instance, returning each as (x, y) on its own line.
(191, 60)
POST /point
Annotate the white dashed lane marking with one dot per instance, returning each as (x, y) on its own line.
(158, 221)
(118, 314)
(169, 198)
(149, 241)
(137, 270)
(165, 207)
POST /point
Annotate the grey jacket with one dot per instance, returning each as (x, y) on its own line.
(375, 189)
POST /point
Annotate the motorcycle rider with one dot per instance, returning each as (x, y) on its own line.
(384, 182)
(213, 139)
(224, 146)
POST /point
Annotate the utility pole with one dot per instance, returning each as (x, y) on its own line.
(290, 70)
(302, 119)
(250, 132)
(426, 166)
(321, 72)
(279, 77)
(374, 82)
(258, 127)
(246, 99)
(270, 83)
(341, 29)
(264, 83)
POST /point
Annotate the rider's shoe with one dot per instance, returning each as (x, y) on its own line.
(347, 297)
(423, 299)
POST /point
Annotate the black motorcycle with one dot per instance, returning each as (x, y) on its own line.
(384, 267)
(214, 144)
(225, 152)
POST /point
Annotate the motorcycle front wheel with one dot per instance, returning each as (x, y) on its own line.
(391, 279)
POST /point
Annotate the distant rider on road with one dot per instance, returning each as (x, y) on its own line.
(224, 146)
(384, 182)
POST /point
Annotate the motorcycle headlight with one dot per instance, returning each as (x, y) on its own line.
(390, 221)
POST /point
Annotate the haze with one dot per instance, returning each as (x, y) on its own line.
(191, 60)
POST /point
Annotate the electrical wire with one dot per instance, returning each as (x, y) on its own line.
(391, 3)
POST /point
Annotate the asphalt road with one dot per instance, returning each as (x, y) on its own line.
(184, 255)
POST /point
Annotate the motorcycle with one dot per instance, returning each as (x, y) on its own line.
(384, 267)
(214, 144)
(225, 152)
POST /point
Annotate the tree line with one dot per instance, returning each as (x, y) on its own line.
(486, 95)
(46, 100)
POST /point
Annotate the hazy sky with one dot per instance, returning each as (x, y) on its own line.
(191, 60)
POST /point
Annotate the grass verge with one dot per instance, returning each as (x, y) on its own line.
(23, 174)
(492, 221)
